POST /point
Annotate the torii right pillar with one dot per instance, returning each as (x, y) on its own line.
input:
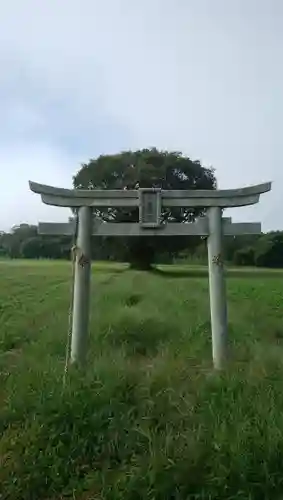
(217, 285)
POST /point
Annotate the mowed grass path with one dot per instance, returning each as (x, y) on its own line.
(148, 419)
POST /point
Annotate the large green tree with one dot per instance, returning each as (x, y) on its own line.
(145, 169)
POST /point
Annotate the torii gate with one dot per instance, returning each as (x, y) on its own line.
(150, 203)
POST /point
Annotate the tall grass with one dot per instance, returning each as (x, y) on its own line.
(148, 419)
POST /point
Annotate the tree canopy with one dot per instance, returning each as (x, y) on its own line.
(145, 169)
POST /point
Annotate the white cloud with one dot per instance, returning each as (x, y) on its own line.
(40, 163)
(199, 76)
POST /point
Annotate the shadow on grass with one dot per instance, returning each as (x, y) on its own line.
(109, 269)
(254, 273)
(180, 273)
(203, 273)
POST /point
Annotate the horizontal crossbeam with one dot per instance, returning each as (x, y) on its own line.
(130, 198)
(198, 228)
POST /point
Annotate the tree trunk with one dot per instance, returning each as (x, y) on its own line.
(141, 265)
(141, 255)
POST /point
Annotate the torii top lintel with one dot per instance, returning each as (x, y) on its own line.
(169, 198)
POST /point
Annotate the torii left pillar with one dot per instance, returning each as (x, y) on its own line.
(81, 285)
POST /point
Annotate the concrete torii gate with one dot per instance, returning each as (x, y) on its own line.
(150, 203)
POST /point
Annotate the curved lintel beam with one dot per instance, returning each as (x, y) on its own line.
(119, 198)
(220, 193)
(43, 189)
(192, 193)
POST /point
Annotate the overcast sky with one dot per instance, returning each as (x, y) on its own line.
(83, 77)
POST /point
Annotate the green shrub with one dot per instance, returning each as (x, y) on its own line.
(244, 257)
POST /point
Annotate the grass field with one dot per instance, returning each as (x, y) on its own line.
(148, 419)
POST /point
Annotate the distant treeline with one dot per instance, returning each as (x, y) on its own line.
(24, 241)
